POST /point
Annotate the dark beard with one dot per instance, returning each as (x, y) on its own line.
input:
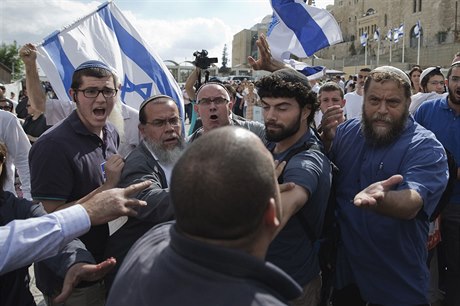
(166, 157)
(452, 97)
(284, 133)
(397, 127)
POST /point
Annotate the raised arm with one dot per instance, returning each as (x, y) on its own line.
(35, 92)
(265, 61)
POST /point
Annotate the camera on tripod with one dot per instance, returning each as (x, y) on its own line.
(202, 60)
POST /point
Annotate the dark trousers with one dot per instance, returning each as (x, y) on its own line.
(450, 259)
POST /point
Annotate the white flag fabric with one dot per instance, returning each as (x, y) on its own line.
(363, 39)
(106, 35)
(417, 29)
(300, 29)
(398, 32)
(390, 34)
(377, 34)
(312, 72)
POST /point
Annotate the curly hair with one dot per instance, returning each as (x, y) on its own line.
(288, 83)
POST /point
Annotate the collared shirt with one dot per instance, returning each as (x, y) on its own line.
(58, 110)
(438, 117)
(200, 273)
(25, 241)
(387, 256)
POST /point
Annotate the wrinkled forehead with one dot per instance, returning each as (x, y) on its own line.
(212, 91)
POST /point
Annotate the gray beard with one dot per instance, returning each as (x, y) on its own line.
(166, 157)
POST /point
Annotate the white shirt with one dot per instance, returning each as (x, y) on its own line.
(57, 110)
(353, 105)
(23, 242)
(18, 145)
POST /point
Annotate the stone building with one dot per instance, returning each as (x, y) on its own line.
(439, 36)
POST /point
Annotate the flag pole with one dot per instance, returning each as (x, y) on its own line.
(418, 49)
(404, 39)
(365, 53)
(391, 43)
(378, 52)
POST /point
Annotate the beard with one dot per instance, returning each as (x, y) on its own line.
(283, 132)
(383, 136)
(166, 156)
(116, 118)
(452, 97)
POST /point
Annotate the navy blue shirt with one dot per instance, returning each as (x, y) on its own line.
(66, 164)
(292, 250)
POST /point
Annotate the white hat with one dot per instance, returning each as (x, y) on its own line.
(426, 71)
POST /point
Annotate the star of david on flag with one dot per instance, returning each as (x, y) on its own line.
(106, 35)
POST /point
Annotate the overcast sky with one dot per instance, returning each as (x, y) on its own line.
(174, 28)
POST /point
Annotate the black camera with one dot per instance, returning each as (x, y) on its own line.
(202, 60)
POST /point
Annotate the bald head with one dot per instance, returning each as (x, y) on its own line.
(222, 185)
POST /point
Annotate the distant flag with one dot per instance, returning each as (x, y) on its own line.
(363, 39)
(398, 32)
(377, 34)
(390, 34)
(312, 72)
(300, 29)
(107, 35)
(417, 29)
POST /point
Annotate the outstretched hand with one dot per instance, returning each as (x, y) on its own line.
(108, 205)
(83, 272)
(374, 193)
(266, 61)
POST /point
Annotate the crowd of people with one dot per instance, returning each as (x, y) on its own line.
(129, 210)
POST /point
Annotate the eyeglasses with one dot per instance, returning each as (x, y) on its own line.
(94, 92)
(6, 107)
(435, 83)
(208, 101)
(159, 123)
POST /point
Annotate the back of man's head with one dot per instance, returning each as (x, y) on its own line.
(222, 185)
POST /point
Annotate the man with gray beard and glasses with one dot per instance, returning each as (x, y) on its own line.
(392, 172)
(163, 141)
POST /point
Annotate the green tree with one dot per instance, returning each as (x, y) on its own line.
(10, 58)
(224, 69)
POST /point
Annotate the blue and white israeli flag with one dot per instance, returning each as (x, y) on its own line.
(417, 29)
(300, 29)
(363, 39)
(312, 72)
(377, 34)
(106, 35)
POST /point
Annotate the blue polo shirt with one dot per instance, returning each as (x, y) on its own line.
(438, 117)
(65, 164)
(292, 250)
(387, 256)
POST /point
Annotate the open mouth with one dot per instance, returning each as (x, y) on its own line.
(99, 112)
(213, 117)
